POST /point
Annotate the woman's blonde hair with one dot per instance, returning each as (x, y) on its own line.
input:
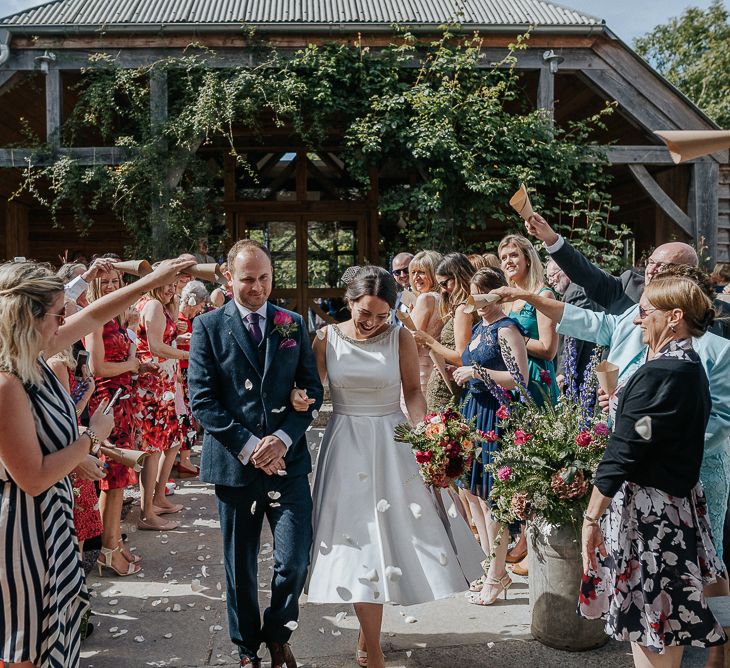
(686, 289)
(535, 269)
(426, 261)
(27, 291)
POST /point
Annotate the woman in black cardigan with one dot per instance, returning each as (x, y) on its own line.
(646, 579)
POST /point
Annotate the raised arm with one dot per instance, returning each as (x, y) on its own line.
(599, 285)
(153, 317)
(100, 367)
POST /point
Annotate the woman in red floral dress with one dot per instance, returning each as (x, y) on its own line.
(114, 363)
(156, 413)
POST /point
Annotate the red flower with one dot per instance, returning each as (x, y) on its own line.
(454, 468)
(584, 439)
(281, 318)
(503, 412)
(546, 378)
(423, 456)
(521, 437)
(453, 449)
(490, 436)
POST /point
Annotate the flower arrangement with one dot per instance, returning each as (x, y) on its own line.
(284, 324)
(545, 467)
(443, 444)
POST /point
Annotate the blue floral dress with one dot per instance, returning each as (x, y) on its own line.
(479, 403)
(527, 317)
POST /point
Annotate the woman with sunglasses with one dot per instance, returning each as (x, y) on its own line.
(425, 313)
(453, 276)
(40, 444)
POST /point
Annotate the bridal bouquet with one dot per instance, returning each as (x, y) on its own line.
(548, 457)
(443, 444)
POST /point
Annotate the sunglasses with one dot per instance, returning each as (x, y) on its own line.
(400, 272)
(643, 313)
(61, 317)
(444, 284)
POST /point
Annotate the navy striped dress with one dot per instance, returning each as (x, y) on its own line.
(42, 588)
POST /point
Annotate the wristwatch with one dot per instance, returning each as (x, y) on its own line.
(95, 442)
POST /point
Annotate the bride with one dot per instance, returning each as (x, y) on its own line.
(380, 535)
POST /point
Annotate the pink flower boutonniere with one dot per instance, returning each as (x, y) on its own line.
(284, 324)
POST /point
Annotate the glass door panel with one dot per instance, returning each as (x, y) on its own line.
(280, 237)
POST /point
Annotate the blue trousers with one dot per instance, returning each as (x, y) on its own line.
(291, 525)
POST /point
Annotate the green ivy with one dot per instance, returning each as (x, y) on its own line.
(434, 111)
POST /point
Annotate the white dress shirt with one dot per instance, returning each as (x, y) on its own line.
(248, 449)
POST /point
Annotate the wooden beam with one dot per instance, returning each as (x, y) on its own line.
(53, 107)
(546, 91)
(6, 80)
(703, 205)
(101, 155)
(644, 155)
(662, 200)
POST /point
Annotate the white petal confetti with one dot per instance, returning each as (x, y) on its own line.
(315, 414)
(410, 620)
(281, 472)
(275, 504)
(393, 573)
(177, 607)
(340, 617)
(416, 511)
(336, 632)
(292, 625)
(278, 410)
(248, 384)
(320, 629)
(372, 576)
(168, 635)
(408, 653)
(452, 512)
(113, 629)
(253, 507)
(140, 638)
(443, 559)
(274, 495)
(382, 505)
(204, 571)
(119, 633)
(113, 601)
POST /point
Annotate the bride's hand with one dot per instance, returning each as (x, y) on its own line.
(300, 401)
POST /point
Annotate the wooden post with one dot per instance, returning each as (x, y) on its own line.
(53, 107)
(229, 193)
(703, 209)
(546, 91)
(16, 230)
(301, 175)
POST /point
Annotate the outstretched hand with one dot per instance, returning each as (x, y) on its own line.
(538, 227)
(509, 294)
(166, 272)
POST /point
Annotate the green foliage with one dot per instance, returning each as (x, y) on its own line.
(451, 132)
(693, 52)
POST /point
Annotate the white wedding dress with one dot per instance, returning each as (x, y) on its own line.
(380, 535)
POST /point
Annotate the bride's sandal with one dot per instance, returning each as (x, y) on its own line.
(498, 587)
(361, 655)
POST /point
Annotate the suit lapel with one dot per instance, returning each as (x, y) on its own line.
(273, 338)
(237, 329)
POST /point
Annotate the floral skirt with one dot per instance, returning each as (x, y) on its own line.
(156, 414)
(186, 422)
(87, 518)
(648, 588)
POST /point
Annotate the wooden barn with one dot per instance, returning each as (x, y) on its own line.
(573, 65)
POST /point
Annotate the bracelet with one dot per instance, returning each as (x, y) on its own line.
(593, 521)
(95, 442)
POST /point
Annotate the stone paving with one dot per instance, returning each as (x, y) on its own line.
(174, 613)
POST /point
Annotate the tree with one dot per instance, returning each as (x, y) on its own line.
(693, 52)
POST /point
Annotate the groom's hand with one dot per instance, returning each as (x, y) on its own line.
(268, 454)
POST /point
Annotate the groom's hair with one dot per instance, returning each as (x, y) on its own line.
(372, 281)
(245, 246)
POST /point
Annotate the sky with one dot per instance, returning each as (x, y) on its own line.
(627, 18)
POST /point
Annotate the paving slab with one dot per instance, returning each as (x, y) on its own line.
(174, 612)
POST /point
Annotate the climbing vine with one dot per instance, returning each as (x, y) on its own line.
(454, 134)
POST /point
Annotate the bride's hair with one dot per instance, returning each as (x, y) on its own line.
(372, 281)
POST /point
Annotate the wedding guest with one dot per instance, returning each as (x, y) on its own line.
(477, 261)
(453, 276)
(426, 311)
(114, 364)
(492, 260)
(202, 256)
(40, 445)
(222, 294)
(160, 435)
(646, 578)
(400, 270)
(483, 356)
(377, 536)
(193, 302)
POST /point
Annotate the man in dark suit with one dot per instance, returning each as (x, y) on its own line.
(245, 359)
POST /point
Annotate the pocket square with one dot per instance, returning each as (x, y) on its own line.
(643, 427)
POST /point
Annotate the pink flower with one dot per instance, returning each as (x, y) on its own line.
(288, 343)
(546, 378)
(504, 473)
(281, 318)
(601, 429)
(503, 412)
(584, 439)
(521, 437)
(423, 456)
(490, 436)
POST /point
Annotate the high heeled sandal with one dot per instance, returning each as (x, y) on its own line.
(477, 585)
(361, 655)
(106, 553)
(504, 583)
(135, 557)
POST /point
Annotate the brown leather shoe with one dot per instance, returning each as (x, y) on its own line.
(281, 655)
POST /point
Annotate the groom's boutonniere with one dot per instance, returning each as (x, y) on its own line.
(285, 325)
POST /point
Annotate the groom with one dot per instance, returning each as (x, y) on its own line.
(245, 359)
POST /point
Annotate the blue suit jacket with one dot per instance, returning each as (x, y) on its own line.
(233, 396)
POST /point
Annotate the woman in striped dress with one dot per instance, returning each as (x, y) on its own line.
(42, 591)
